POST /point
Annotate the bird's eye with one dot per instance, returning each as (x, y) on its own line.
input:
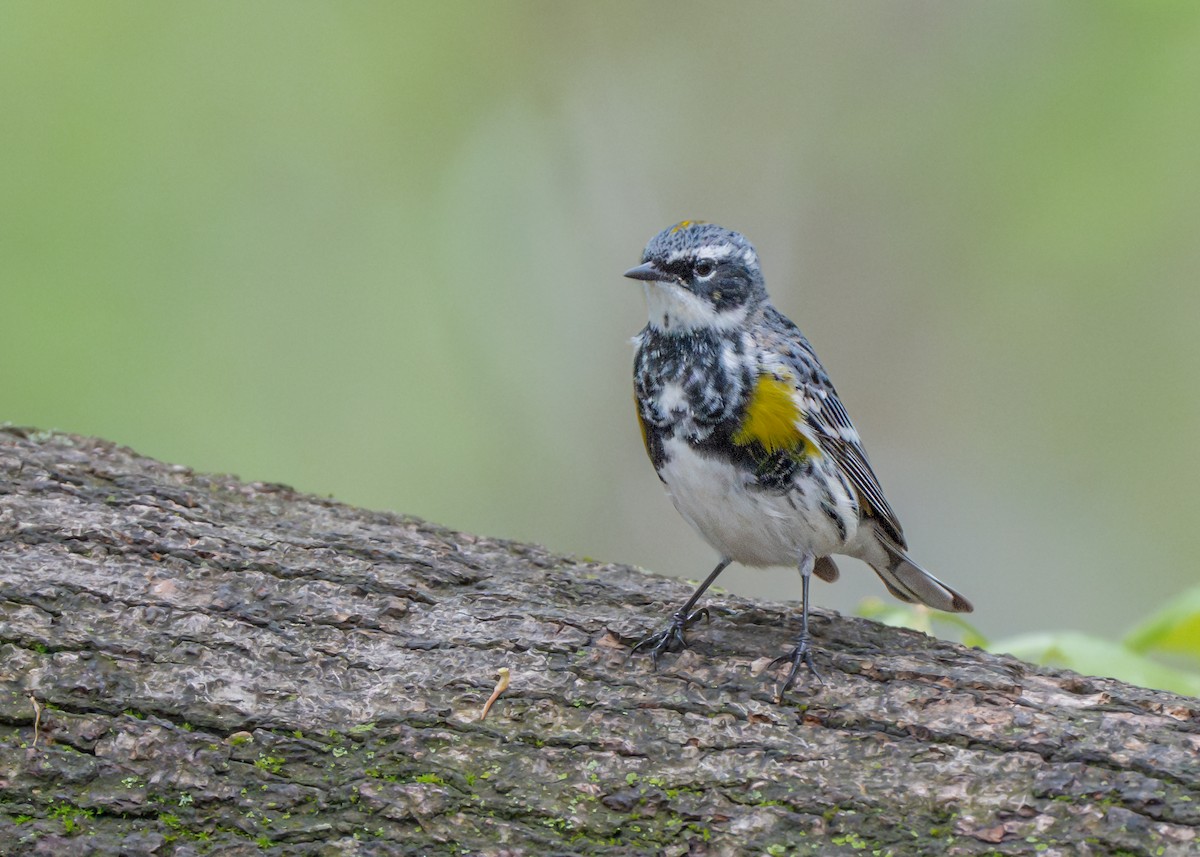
(704, 268)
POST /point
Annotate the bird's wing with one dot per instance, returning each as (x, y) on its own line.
(835, 435)
(839, 438)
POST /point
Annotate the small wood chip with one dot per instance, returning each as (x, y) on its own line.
(37, 720)
(501, 686)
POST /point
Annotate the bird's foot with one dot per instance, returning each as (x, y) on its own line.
(670, 638)
(802, 655)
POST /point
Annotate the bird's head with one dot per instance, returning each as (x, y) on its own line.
(698, 275)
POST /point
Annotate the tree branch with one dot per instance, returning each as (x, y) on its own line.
(239, 668)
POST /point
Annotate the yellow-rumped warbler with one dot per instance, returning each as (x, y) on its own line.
(748, 435)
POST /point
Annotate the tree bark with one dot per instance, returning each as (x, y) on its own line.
(190, 664)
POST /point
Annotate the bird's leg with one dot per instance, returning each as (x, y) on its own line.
(802, 654)
(670, 639)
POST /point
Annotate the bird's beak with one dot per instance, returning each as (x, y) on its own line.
(646, 271)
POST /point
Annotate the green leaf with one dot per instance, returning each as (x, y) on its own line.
(1175, 628)
(1094, 656)
(921, 618)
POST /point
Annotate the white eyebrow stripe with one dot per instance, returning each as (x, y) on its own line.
(715, 252)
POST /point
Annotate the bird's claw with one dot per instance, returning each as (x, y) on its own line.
(802, 655)
(670, 638)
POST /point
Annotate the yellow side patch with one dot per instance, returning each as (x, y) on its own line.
(773, 419)
(637, 409)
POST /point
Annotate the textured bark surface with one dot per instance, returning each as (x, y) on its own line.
(237, 668)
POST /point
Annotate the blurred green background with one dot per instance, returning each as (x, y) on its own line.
(374, 250)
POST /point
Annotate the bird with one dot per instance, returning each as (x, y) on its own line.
(749, 437)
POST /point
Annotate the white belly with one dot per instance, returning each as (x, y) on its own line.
(746, 524)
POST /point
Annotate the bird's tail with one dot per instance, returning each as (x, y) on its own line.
(909, 582)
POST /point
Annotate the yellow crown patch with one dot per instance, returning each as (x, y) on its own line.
(684, 224)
